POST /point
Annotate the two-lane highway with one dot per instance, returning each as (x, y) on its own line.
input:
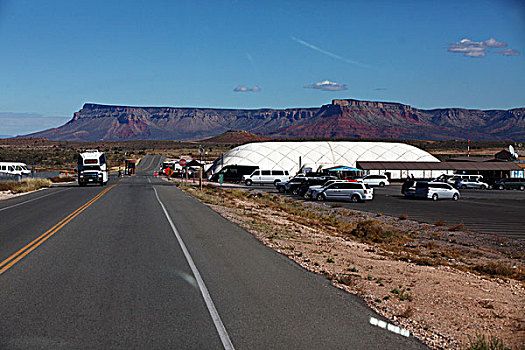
(139, 264)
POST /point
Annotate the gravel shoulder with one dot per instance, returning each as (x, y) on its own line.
(433, 281)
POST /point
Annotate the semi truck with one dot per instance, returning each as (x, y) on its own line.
(92, 168)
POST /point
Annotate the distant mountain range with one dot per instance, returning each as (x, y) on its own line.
(344, 118)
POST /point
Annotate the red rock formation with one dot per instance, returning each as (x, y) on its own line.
(341, 119)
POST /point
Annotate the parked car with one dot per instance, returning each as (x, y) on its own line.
(375, 180)
(290, 185)
(313, 182)
(233, 173)
(352, 191)
(15, 168)
(457, 178)
(435, 191)
(453, 179)
(408, 189)
(308, 193)
(266, 177)
(472, 183)
(510, 183)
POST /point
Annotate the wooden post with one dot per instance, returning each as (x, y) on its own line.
(200, 177)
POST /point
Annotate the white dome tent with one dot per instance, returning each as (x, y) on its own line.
(318, 154)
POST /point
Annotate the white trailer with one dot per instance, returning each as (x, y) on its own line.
(92, 168)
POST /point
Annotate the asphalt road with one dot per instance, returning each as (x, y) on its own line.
(501, 213)
(138, 264)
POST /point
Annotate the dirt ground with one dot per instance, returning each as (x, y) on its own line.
(442, 304)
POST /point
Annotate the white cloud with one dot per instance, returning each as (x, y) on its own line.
(471, 48)
(327, 86)
(244, 88)
(509, 52)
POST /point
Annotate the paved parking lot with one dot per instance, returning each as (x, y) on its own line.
(491, 211)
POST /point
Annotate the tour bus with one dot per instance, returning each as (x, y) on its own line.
(15, 168)
(92, 168)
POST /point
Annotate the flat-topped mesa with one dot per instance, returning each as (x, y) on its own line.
(369, 104)
(343, 118)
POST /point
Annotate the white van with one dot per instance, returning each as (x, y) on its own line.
(15, 168)
(266, 177)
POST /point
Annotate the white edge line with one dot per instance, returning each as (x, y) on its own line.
(390, 327)
(223, 334)
(34, 199)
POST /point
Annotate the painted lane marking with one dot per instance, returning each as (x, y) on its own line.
(20, 254)
(390, 327)
(223, 334)
(34, 199)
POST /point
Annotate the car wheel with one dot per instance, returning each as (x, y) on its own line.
(435, 197)
(463, 187)
(500, 187)
(320, 197)
(281, 189)
(248, 182)
(275, 182)
(483, 187)
(295, 191)
(354, 198)
(381, 184)
(306, 196)
(522, 188)
(455, 197)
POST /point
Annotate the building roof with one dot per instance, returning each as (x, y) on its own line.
(318, 154)
(483, 166)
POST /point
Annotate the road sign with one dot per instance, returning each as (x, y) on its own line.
(182, 162)
(221, 178)
(168, 171)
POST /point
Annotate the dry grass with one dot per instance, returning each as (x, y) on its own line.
(24, 185)
(59, 179)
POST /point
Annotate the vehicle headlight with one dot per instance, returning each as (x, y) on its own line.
(99, 175)
(81, 176)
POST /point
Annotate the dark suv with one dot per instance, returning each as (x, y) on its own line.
(510, 183)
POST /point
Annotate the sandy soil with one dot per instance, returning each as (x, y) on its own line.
(441, 305)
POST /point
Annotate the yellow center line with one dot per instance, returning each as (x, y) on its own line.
(16, 257)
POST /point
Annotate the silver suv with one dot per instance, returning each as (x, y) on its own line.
(352, 191)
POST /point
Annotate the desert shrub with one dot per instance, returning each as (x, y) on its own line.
(58, 179)
(481, 342)
(439, 223)
(501, 270)
(25, 185)
(369, 230)
(458, 227)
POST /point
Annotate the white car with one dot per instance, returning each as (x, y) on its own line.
(375, 180)
(469, 183)
(435, 191)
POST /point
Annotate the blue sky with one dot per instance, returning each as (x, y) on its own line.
(58, 55)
